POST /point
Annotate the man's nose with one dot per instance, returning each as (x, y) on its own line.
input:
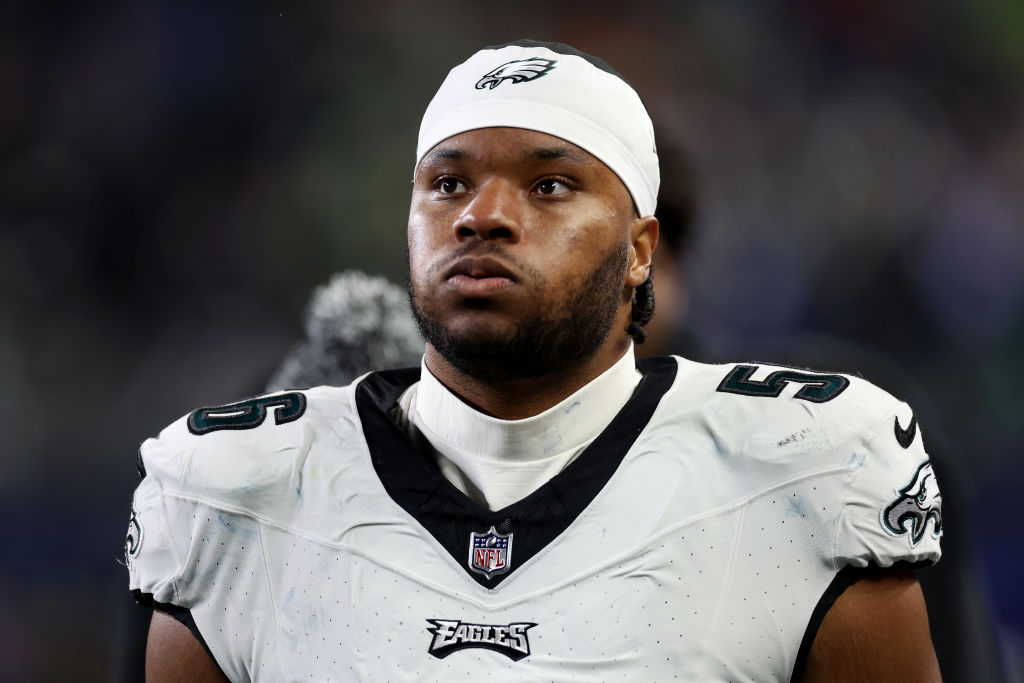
(494, 213)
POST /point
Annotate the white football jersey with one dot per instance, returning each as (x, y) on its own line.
(702, 536)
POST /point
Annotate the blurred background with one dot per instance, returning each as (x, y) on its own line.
(176, 178)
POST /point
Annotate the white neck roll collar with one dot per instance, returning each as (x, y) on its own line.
(454, 428)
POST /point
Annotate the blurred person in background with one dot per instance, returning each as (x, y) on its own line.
(718, 522)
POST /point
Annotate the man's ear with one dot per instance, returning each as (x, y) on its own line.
(644, 240)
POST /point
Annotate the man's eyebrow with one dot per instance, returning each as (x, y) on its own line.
(562, 152)
(443, 154)
(570, 154)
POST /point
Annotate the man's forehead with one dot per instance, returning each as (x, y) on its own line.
(510, 143)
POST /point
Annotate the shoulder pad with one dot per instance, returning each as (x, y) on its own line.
(249, 457)
(774, 424)
(245, 451)
(776, 413)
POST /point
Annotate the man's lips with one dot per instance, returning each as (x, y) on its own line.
(479, 276)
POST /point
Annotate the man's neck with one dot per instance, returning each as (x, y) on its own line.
(518, 398)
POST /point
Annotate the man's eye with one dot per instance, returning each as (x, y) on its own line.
(450, 186)
(552, 187)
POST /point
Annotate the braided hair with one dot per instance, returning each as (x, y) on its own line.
(643, 309)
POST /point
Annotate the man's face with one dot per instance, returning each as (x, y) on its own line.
(519, 246)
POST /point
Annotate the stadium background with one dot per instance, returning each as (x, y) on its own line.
(175, 178)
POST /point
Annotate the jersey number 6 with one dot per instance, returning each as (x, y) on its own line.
(247, 414)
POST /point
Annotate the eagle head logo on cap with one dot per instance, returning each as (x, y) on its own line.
(517, 71)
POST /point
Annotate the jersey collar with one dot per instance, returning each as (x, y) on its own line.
(412, 478)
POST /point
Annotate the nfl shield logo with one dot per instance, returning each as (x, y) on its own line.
(490, 553)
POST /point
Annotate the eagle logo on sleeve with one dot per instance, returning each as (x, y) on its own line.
(133, 539)
(516, 71)
(918, 501)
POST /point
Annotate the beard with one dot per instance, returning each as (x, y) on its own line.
(549, 339)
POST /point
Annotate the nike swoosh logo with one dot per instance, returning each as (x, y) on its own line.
(905, 437)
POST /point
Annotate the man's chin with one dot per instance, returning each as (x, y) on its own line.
(470, 327)
(502, 352)
(476, 344)
(490, 350)
(479, 331)
(493, 362)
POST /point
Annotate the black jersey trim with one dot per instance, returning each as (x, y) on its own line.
(846, 577)
(413, 480)
(179, 614)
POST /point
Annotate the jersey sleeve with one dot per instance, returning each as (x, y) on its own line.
(893, 507)
(183, 546)
(206, 478)
(154, 548)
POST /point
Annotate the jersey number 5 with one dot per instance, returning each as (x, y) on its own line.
(247, 414)
(816, 389)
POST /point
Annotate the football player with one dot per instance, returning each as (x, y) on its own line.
(532, 502)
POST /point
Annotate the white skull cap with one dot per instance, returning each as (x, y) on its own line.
(555, 89)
